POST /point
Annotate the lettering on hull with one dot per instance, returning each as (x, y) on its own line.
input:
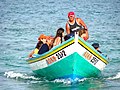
(91, 58)
(56, 57)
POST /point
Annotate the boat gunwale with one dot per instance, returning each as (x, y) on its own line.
(92, 50)
(66, 44)
(52, 51)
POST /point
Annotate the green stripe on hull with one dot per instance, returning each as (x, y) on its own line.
(73, 64)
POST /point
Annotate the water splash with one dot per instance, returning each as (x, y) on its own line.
(14, 75)
(33, 79)
(69, 81)
(117, 76)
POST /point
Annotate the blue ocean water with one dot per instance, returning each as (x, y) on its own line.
(22, 21)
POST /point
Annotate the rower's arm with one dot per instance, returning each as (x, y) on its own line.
(82, 23)
(67, 28)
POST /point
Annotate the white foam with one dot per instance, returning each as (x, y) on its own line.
(69, 81)
(12, 74)
(117, 76)
(16, 75)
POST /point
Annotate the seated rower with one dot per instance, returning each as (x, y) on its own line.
(46, 46)
(74, 24)
(96, 46)
(49, 41)
(41, 39)
(82, 34)
(58, 38)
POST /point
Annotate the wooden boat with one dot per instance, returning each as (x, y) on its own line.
(72, 59)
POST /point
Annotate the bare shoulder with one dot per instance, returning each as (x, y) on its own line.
(78, 19)
(67, 25)
(58, 38)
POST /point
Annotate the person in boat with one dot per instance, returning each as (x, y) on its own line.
(73, 24)
(59, 37)
(44, 44)
(41, 40)
(96, 46)
(82, 34)
(47, 44)
(49, 41)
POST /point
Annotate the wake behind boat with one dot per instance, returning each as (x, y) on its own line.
(72, 59)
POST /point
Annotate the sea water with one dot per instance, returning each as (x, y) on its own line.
(21, 23)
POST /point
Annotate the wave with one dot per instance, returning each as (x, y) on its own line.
(17, 76)
(117, 76)
(35, 79)
(14, 75)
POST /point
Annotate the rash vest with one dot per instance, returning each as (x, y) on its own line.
(74, 27)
